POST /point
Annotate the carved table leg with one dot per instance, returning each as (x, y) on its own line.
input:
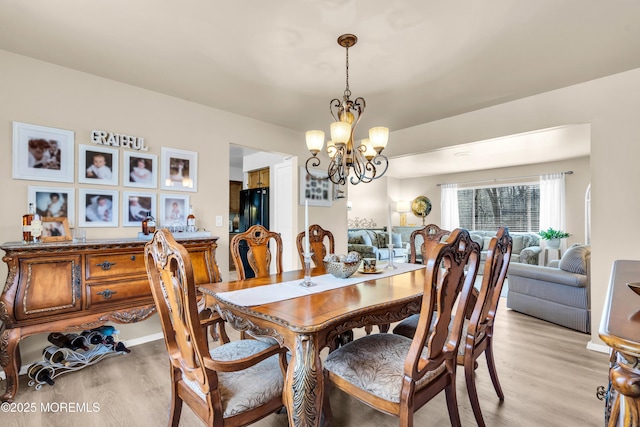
(10, 361)
(304, 384)
(625, 378)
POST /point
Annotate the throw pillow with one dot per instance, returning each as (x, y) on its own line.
(576, 259)
(366, 240)
(355, 240)
(396, 240)
(518, 244)
(487, 241)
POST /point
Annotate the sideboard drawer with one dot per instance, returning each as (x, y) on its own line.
(116, 264)
(112, 293)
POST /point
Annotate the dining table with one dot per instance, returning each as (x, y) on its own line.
(306, 319)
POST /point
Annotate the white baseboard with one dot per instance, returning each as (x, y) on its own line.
(129, 343)
(598, 347)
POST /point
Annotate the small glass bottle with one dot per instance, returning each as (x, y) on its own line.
(36, 228)
(191, 220)
(148, 224)
(26, 224)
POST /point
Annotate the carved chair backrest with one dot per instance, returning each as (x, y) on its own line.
(317, 236)
(495, 271)
(431, 235)
(259, 255)
(446, 282)
(174, 291)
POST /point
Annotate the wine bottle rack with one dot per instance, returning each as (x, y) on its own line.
(76, 360)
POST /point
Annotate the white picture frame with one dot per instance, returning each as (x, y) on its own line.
(47, 205)
(179, 170)
(317, 189)
(135, 206)
(139, 170)
(174, 209)
(97, 165)
(92, 212)
(33, 156)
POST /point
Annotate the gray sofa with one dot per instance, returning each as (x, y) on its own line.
(558, 293)
(372, 243)
(526, 246)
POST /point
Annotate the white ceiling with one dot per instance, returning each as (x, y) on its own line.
(278, 61)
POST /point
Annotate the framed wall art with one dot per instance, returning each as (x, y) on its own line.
(316, 188)
(97, 208)
(135, 207)
(179, 170)
(42, 153)
(56, 202)
(173, 210)
(97, 165)
(140, 170)
(55, 229)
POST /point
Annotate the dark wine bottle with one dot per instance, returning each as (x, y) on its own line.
(54, 355)
(94, 337)
(109, 340)
(78, 342)
(121, 347)
(40, 373)
(60, 340)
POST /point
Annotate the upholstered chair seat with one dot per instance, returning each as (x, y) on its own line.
(375, 363)
(249, 388)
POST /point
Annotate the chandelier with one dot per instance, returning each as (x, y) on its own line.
(366, 160)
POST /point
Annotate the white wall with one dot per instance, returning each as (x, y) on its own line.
(45, 94)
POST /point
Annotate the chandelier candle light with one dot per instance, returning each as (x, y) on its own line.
(366, 159)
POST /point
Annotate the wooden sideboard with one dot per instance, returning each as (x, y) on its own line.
(68, 286)
(620, 330)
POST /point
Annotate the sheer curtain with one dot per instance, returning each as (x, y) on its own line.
(552, 202)
(449, 207)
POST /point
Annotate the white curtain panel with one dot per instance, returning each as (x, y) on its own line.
(449, 207)
(552, 202)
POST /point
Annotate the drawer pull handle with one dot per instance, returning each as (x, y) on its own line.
(106, 265)
(106, 294)
(133, 257)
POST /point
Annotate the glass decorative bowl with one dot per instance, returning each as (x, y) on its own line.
(342, 270)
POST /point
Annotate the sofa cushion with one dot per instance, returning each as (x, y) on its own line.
(486, 242)
(355, 239)
(576, 259)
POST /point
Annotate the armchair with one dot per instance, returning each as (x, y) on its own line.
(556, 294)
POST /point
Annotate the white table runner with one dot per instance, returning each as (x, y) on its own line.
(292, 289)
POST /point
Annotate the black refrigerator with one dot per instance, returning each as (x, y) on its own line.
(254, 210)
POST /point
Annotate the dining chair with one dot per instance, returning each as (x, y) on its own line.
(477, 331)
(258, 256)
(431, 236)
(317, 237)
(398, 375)
(234, 384)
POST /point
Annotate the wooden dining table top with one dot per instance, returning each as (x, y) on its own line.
(315, 311)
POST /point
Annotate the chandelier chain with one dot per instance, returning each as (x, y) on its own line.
(347, 91)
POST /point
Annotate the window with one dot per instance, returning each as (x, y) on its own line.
(514, 206)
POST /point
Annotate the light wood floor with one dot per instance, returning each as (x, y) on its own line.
(548, 377)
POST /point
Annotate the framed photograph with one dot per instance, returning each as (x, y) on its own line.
(97, 208)
(135, 207)
(55, 202)
(42, 153)
(55, 229)
(316, 188)
(139, 170)
(173, 210)
(179, 170)
(97, 165)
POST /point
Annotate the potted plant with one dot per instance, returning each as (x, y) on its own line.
(553, 236)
